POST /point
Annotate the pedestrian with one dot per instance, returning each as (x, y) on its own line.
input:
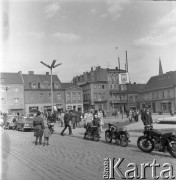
(100, 116)
(148, 117)
(46, 133)
(74, 118)
(143, 112)
(67, 123)
(79, 118)
(38, 128)
(62, 118)
(88, 117)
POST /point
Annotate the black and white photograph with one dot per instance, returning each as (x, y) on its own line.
(87, 89)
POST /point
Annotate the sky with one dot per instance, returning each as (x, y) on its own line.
(82, 34)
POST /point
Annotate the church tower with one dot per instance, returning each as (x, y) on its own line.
(160, 67)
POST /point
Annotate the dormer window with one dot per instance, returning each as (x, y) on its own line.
(56, 85)
(34, 85)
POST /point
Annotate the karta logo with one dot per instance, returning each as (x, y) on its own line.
(133, 171)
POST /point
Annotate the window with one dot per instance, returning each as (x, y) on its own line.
(95, 87)
(110, 86)
(49, 95)
(16, 100)
(103, 86)
(59, 96)
(163, 94)
(42, 86)
(16, 89)
(68, 96)
(34, 86)
(79, 96)
(3, 100)
(56, 85)
(169, 94)
(74, 96)
(41, 95)
(103, 96)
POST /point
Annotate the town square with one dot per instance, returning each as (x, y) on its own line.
(88, 90)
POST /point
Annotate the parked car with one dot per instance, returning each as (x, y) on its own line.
(10, 123)
(1, 121)
(25, 123)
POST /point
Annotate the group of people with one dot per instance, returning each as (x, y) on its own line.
(40, 129)
(73, 117)
(133, 115)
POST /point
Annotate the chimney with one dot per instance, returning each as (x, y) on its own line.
(47, 73)
(30, 72)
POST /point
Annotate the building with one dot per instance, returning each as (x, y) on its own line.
(37, 92)
(101, 89)
(160, 93)
(12, 93)
(133, 93)
(73, 97)
(117, 93)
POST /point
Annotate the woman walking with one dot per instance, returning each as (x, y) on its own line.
(38, 128)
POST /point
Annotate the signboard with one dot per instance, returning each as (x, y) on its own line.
(123, 78)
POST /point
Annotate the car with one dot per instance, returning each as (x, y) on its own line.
(25, 123)
(167, 120)
(10, 123)
(1, 121)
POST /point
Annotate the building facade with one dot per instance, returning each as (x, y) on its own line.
(133, 95)
(73, 97)
(37, 93)
(11, 93)
(101, 89)
(160, 93)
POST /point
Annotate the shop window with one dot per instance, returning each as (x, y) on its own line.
(59, 96)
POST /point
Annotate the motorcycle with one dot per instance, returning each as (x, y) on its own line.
(153, 140)
(92, 132)
(121, 135)
(51, 127)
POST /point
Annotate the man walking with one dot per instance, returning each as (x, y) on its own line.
(67, 124)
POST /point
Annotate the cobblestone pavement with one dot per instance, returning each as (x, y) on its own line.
(69, 157)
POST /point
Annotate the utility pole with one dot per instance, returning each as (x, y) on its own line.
(51, 67)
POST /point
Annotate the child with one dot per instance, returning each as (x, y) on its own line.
(47, 133)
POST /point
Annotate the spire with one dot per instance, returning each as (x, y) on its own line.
(160, 67)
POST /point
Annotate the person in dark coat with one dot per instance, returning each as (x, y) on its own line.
(73, 118)
(148, 117)
(38, 128)
(143, 112)
(67, 124)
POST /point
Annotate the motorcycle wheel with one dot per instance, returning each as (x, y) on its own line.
(172, 148)
(108, 136)
(145, 145)
(123, 140)
(96, 136)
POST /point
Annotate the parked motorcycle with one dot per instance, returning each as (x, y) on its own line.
(51, 127)
(120, 135)
(92, 132)
(155, 140)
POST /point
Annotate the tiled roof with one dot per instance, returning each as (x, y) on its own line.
(35, 78)
(135, 88)
(68, 85)
(10, 78)
(161, 81)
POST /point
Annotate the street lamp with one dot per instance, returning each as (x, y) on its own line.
(51, 67)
